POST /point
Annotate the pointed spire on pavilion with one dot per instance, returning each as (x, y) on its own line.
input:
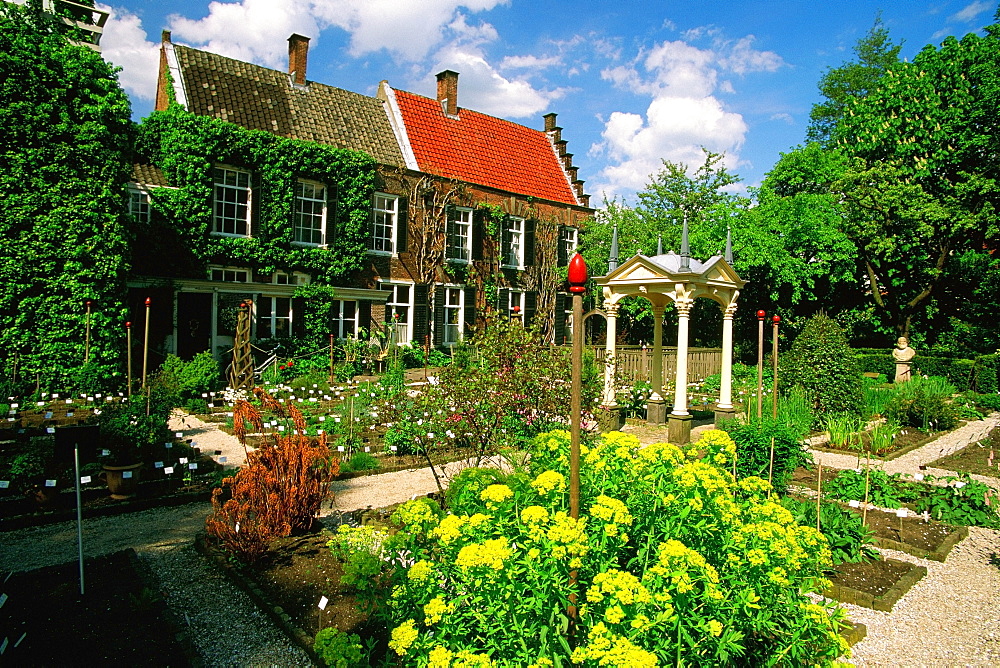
(685, 247)
(729, 245)
(659, 244)
(613, 255)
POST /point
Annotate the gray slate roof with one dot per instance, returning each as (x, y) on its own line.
(259, 98)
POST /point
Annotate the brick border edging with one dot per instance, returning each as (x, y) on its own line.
(170, 619)
(957, 534)
(886, 601)
(853, 632)
(277, 615)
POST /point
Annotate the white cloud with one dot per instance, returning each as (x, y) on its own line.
(124, 44)
(782, 116)
(530, 62)
(684, 113)
(971, 11)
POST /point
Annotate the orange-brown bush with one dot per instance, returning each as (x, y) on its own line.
(280, 489)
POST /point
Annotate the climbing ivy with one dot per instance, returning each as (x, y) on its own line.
(186, 147)
(64, 137)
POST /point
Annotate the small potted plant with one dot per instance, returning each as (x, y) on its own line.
(126, 432)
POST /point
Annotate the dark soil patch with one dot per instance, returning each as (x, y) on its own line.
(119, 621)
(974, 458)
(872, 577)
(907, 439)
(804, 477)
(924, 535)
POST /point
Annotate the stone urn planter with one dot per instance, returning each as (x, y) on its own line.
(123, 481)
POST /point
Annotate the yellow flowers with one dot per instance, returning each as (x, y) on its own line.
(608, 649)
(403, 637)
(611, 510)
(419, 571)
(439, 657)
(436, 609)
(569, 535)
(714, 627)
(417, 512)
(496, 494)
(549, 481)
(621, 586)
(534, 515)
(449, 529)
(490, 554)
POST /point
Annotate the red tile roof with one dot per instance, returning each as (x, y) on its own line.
(483, 150)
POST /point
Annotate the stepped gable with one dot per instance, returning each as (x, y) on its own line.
(476, 148)
(259, 98)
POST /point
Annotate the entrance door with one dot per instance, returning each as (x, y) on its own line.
(194, 323)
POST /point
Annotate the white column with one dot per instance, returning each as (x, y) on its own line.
(656, 376)
(681, 380)
(610, 397)
(726, 384)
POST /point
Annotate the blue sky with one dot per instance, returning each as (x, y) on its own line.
(632, 82)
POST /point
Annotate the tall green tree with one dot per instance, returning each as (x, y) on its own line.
(875, 53)
(64, 138)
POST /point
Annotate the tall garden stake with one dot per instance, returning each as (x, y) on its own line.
(868, 468)
(145, 344)
(775, 319)
(819, 492)
(770, 467)
(760, 362)
(577, 275)
(86, 345)
(128, 346)
(331, 359)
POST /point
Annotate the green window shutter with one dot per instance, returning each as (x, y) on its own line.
(563, 259)
(503, 301)
(470, 309)
(254, 225)
(402, 210)
(449, 231)
(439, 293)
(529, 243)
(420, 311)
(331, 214)
(299, 316)
(530, 307)
(560, 322)
(365, 314)
(478, 233)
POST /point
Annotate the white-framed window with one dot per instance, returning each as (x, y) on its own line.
(398, 308)
(454, 309)
(231, 202)
(515, 304)
(229, 274)
(344, 318)
(310, 213)
(513, 243)
(274, 317)
(138, 205)
(383, 236)
(460, 234)
(570, 240)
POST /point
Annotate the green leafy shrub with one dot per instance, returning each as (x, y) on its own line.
(849, 485)
(795, 410)
(850, 540)
(877, 399)
(361, 461)
(677, 564)
(633, 400)
(988, 402)
(821, 362)
(189, 380)
(753, 448)
(464, 489)
(339, 649)
(962, 501)
(924, 403)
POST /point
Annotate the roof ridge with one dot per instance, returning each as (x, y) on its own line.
(478, 113)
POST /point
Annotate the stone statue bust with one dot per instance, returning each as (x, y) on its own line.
(902, 354)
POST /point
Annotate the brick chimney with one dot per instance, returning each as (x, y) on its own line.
(298, 51)
(448, 92)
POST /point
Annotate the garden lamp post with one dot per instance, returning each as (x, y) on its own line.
(775, 319)
(577, 275)
(145, 344)
(760, 361)
(86, 345)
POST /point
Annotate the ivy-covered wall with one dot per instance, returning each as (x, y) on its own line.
(187, 147)
(65, 134)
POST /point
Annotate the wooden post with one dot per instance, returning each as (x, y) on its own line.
(145, 344)
(331, 359)
(128, 345)
(774, 353)
(819, 493)
(864, 513)
(770, 467)
(577, 275)
(86, 346)
(760, 362)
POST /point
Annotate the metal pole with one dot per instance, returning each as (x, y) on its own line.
(760, 362)
(128, 345)
(331, 359)
(86, 347)
(774, 353)
(79, 513)
(145, 345)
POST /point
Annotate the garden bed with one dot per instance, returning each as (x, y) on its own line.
(908, 440)
(974, 458)
(874, 584)
(927, 540)
(120, 621)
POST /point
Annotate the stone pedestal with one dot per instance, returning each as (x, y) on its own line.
(679, 429)
(723, 414)
(656, 412)
(902, 372)
(609, 419)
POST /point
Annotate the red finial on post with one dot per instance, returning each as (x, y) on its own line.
(577, 274)
(148, 302)
(128, 324)
(761, 314)
(776, 319)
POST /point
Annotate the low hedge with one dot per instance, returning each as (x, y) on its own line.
(978, 374)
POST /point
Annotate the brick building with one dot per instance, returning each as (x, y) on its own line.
(466, 213)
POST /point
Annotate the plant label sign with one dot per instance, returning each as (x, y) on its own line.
(323, 600)
(918, 476)
(105, 453)
(854, 503)
(901, 513)
(168, 470)
(367, 449)
(50, 483)
(340, 448)
(192, 466)
(183, 460)
(84, 479)
(3, 599)
(222, 460)
(157, 465)
(179, 434)
(126, 474)
(50, 430)
(48, 415)
(4, 484)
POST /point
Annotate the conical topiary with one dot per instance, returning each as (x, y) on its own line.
(821, 362)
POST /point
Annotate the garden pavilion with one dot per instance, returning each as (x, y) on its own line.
(678, 278)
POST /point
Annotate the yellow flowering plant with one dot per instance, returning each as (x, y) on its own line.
(674, 562)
